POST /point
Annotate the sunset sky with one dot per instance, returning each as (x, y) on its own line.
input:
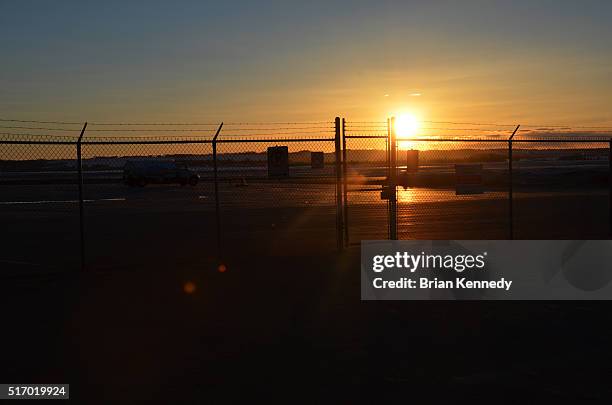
(503, 61)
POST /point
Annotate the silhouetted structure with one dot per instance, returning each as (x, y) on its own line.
(278, 161)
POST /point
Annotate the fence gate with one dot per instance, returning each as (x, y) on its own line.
(366, 159)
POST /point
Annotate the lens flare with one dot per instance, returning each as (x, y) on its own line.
(189, 287)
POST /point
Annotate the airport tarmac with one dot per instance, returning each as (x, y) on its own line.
(165, 224)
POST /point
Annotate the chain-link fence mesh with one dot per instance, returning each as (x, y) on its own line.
(38, 204)
(455, 182)
(152, 193)
(185, 193)
(149, 203)
(561, 189)
(291, 211)
(434, 199)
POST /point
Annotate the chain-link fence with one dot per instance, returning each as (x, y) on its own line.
(170, 194)
(148, 202)
(39, 203)
(278, 207)
(122, 194)
(562, 189)
(452, 190)
(466, 181)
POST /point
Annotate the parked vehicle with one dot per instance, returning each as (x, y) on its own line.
(143, 172)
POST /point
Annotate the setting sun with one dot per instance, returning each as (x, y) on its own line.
(406, 125)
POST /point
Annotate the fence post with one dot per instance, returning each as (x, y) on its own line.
(217, 210)
(610, 183)
(388, 166)
(338, 168)
(510, 192)
(345, 188)
(392, 182)
(511, 185)
(81, 208)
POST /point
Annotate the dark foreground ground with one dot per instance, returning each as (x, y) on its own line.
(293, 328)
(152, 318)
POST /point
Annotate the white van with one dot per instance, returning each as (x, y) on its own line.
(143, 172)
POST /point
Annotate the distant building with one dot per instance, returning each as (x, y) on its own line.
(278, 161)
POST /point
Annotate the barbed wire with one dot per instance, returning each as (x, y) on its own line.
(276, 133)
(41, 122)
(464, 129)
(280, 123)
(265, 126)
(221, 135)
(28, 134)
(366, 122)
(470, 123)
(542, 126)
(313, 132)
(203, 124)
(41, 128)
(144, 140)
(5, 136)
(30, 137)
(565, 126)
(450, 135)
(154, 130)
(40, 138)
(567, 131)
(275, 129)
(593, 129)
(366, 126)
(105, 123)
(153, 124)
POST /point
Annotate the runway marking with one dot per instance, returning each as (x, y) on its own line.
(57, 201)
(108, 199)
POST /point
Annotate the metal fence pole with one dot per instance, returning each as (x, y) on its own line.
(388, 166)
(81, 208)
(338, 169)
(217, 209)
(610, 183)
(345, 188)
(392, 182)
(511, 186)
(510, 192)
